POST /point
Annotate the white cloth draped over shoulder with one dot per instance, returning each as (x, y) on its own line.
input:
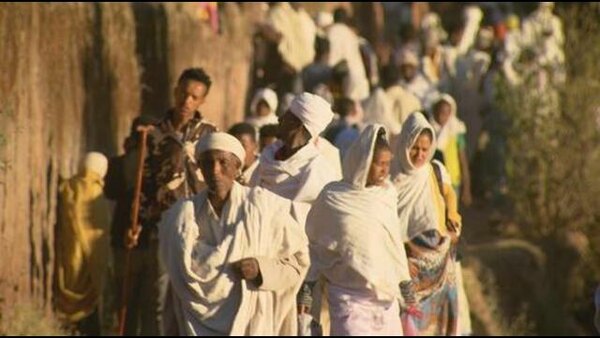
(298, 33)
(208, 298)
(353, 230)
(418, 193)
(299, 178)
(345, 45)
(378, 109)
(331, 153)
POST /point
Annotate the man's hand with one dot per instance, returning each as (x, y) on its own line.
(132, 236)
(247, 268)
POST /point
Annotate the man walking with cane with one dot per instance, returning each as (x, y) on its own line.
(170, 172)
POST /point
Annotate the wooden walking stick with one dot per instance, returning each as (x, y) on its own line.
(134, 227)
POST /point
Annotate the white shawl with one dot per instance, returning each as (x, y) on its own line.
(417, 190)
(299, 178)
(354, 231)
(298, 35)
(331, 153)
(452, 128)
(257, 224)
(345, 45)
(378, 109)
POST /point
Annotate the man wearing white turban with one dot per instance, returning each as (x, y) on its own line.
(234, 255)
(294, 167)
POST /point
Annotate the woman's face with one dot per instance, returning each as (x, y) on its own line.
(262, 108)
(380, 167)
(442, 113)
(420, 150)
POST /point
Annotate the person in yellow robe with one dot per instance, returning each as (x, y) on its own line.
(82, 246)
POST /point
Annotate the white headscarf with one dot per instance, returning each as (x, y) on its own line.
(270, 97)
(360, 225)
(453, 127)
(221, 141)
(96, 162)
(314, 112)
(359, 156)
(266, 94)
(416, 192)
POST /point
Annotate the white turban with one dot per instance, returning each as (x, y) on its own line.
(314, 112)
(96, 162)
(264, 94)
(324, 19)
(221, 141)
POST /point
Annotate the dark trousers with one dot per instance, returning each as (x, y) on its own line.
(147, 289)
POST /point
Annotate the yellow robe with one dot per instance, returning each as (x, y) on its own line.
(81, 246)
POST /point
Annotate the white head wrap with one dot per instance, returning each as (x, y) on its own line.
(324, 19)
(96, 162)
(266, 94)
(314, 112)
(221, 141)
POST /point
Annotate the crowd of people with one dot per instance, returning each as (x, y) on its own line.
(332, 209)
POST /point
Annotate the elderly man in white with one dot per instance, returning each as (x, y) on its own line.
(297, 168)
(234, 255)
(294, 167)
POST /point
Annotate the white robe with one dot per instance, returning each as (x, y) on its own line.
(403, 102)
(300, 178)
(298, 35)
(354, 231)
(345, 45)
(355, 243)
(249, 176)
(331, 153)
(198, 248)
(420, 87)
(419, 198)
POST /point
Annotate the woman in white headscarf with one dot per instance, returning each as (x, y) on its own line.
(263, 108)
(450, 133)
(355, 241)
(433, 227)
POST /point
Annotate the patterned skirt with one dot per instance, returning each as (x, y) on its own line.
(435, 283)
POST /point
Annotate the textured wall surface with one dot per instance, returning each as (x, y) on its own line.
(74, 75)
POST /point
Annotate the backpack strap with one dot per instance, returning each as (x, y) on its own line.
(438, 175)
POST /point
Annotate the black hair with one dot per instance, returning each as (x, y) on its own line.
(242, 129)
(195, 74)
(268, 130)
(322, 46)
(407, 33)
(343, 106)
(427, 132)
(341, 15)
(381, 142)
